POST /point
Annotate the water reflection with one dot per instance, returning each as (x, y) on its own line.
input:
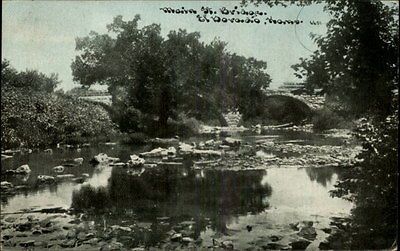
(196, 203)
(323, 175)
(206, 197)
(230, 192)
(42, 163)
(296, 197)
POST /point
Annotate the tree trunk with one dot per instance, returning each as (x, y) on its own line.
(163, 112)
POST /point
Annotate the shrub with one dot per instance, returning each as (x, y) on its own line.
(326, 119)
(183, 127)
(137, 138)
(372, 185)
(192, 124)
(38, 119)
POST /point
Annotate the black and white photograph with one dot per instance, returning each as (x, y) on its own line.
(199, 125)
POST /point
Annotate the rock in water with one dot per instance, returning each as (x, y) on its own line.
(156, 152)
(92, 241)
(24, 169)
(79, 180)
(274, 246)
(100, 158)
(275, 238)
(308, 232)
(176, 237)
(68, 243)
(135, 161)
(65, 176)
(4, 156)
(162, 141)
(50, 151)
(227, 245)
(78, 160)
(187, 240)
(5, 185)
(171, 150)
(185, 148)
(231, 141)
(210, 142)
(45, 179)
(207, 153)
(58, 169)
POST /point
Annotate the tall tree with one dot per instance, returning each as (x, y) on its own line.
(134, 61)
(357, 62)
(156, 77)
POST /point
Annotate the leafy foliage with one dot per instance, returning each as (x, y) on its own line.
(30, 80)
(151, 77)
(357, 60)
(357, 65)
(372, 185)
(326, 119)
(35, 117)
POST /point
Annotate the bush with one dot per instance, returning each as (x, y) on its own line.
(191, 124)
(127, 117)
(137, 138)
(183, 127)
(38, 119)
(372, 185)
(326, 119)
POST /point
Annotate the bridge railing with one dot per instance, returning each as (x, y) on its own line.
(102, 99)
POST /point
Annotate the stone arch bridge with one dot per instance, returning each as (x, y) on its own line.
(232, 119)
(315, 102)
(103, 99)
(302, 102)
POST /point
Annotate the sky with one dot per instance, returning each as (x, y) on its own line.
(41, 34)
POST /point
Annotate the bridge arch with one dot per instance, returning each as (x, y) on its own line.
(278, 108)
(271, 107)
(283, 108)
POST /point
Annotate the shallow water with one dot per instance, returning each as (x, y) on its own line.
(42, 163)
(207, 203)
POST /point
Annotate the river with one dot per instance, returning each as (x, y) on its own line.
(269, 193)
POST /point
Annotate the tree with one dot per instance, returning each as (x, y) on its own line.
(135, 60)
(372, 184)
(158, 78)
(31, 80)
(357, 62)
